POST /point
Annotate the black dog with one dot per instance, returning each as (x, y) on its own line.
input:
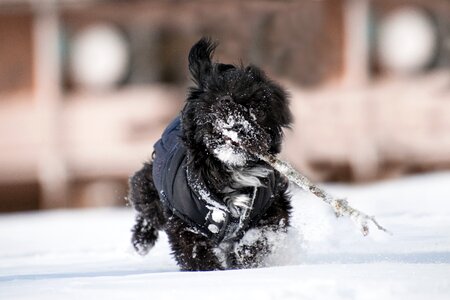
(218, 203)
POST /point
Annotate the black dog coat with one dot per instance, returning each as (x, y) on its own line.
(186, 195)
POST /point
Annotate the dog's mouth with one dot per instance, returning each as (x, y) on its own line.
(229, 148)
(231, 142)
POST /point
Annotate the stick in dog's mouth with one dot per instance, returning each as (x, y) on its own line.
(340, 206)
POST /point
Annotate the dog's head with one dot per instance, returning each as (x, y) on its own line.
(232, 112)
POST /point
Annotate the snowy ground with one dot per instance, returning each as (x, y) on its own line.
(85, 254)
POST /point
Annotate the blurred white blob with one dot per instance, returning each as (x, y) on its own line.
(99, 57)
(407, 41)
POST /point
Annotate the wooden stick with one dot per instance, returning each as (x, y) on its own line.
(340, 206)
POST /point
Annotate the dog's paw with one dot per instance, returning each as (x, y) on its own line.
(252, 248)
(144, 237)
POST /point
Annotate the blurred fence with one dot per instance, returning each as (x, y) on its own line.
(87, 86)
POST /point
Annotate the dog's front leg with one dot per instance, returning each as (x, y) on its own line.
(193, 251)
(256, 244)
(144, 198)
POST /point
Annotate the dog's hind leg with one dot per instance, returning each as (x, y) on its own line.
(144, 198)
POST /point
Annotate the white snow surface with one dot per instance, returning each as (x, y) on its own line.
(86, 254)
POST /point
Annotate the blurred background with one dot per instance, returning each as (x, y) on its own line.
(87, 86)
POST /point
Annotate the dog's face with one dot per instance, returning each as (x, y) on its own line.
(234, 113)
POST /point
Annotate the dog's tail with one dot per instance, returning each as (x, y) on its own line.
(144, 198)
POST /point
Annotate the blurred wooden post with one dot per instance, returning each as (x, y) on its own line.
(52, 171)
(363, 156)
(356, 50)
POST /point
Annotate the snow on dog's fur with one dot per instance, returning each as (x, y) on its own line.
(231, 113)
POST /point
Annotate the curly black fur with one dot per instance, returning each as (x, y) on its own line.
(150, 217)
(230, 113)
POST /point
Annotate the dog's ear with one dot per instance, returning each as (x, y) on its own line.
(255, 72)
(200, 63)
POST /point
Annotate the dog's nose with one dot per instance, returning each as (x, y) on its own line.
(239, 128)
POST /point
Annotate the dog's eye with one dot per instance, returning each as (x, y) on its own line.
(241, 99)
(259, 115)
